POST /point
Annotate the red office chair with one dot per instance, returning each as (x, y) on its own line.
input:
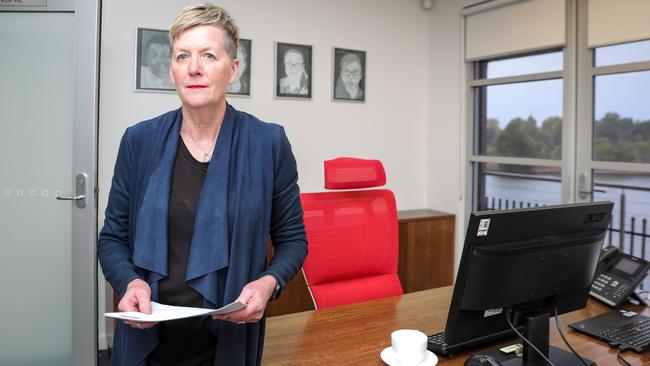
(352, 235)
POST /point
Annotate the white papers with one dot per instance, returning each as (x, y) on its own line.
(161, 312)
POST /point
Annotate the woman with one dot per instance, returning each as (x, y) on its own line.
(195, 194)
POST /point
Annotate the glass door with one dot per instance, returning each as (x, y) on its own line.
(47, 179)
(613, 140)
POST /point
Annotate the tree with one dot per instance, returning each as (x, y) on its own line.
(608, 151)
(492, 132)
(552, 134)
(642, 150)
(518, 139)
(621, 139)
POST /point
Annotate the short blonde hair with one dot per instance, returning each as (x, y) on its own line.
(207, 14)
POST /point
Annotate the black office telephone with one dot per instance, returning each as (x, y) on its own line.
(617, 276)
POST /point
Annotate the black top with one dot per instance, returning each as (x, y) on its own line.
(184, 341)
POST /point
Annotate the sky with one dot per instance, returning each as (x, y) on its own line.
(627, 94)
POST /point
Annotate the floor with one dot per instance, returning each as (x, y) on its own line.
(103, 358)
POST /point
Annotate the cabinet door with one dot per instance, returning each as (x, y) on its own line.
(426, 254)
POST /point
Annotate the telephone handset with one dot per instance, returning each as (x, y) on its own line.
(617, 276)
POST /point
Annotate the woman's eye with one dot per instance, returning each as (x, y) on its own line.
(210, 56)
(182, 57)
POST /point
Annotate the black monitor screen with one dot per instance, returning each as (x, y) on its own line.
(530, 260)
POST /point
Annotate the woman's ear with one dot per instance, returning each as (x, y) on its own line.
(234, 70)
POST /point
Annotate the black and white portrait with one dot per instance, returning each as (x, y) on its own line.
(349, 75)
(152, 60)
(242, 85)
(292, 70)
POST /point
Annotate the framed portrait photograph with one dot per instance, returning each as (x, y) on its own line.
(242, 85)
(292, 70)
(152, 57)
(349, 75)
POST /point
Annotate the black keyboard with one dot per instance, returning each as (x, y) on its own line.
(635, 335)
(620, 328)
(437, 344)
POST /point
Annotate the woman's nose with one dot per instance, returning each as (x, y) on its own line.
(194, 66)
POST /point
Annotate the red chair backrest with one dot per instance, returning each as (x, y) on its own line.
(352, 235)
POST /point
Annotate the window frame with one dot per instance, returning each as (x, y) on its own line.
(478, 106)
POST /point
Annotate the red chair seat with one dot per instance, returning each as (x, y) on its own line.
(356, 290)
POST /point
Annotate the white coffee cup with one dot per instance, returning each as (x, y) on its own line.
(409, 346)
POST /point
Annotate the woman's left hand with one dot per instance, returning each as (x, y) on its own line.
(255, 295)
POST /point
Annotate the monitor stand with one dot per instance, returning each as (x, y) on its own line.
(536, 331)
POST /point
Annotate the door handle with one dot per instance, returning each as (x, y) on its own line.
(80, 195)
(71, 198)
(595, 190)
(584, 186)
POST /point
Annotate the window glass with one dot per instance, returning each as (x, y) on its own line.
(521, 120)
(622, 117)
(622, 53)
(524, 65)
(630, 192)
(502, 186)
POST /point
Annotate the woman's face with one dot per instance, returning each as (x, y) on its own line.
(351, 74)
(201, 68)
(294, 64)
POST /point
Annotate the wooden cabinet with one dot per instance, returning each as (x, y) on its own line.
(426, 259)
(426, 249)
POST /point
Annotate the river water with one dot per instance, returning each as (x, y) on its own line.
(636, 201)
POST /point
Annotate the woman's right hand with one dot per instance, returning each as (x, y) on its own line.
(137, 298)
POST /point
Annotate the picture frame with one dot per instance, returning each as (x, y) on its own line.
(242, 85)
(348, 75)
(293, 70)
(152, 57)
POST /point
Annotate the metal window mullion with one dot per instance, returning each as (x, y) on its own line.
(583, 143)
(620, 69)
(515, 161)
(479, 112)
(569, 98)
(620, 166)
(517, 79)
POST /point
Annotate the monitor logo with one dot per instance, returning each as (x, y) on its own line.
(483, 226)
(595, 217)
(492, 312)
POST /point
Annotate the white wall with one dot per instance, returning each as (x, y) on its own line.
(446, 143)
(392, 125)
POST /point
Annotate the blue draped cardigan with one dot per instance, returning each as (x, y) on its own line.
(249, 192)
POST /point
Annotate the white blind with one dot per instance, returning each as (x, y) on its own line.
(518, 27)
(618, 21)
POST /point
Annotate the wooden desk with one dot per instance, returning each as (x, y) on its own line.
(356, 334)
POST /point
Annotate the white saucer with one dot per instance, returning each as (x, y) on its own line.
(387, 355)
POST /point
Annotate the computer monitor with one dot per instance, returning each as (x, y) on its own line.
(524, 263)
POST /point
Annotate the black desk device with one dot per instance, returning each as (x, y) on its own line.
(623, 329)
(617, 276)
